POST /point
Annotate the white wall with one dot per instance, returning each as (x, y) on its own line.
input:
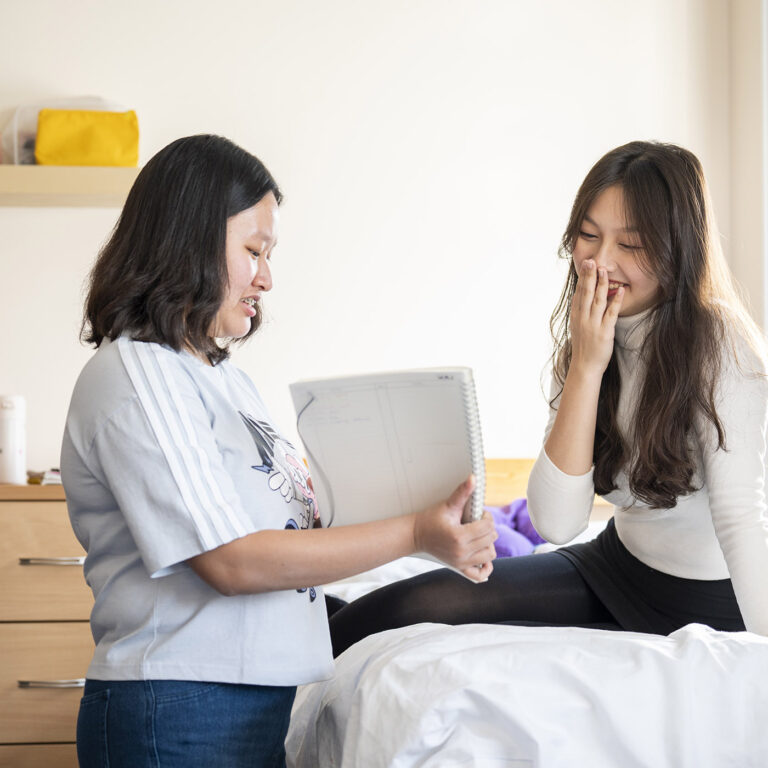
(429, 151)
(748, 247)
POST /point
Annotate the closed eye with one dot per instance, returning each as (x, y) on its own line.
(587, 235)
(629, 247)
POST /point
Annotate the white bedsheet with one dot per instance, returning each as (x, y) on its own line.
(482, 695)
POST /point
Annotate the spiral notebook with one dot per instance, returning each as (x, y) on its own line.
(385, 444)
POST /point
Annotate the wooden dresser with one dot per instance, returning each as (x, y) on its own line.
(45, 638)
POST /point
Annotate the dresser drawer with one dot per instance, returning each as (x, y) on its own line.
(41, 652)
(38, 756)
(40, 531)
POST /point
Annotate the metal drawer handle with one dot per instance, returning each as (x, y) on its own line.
(51, 560)
(77, 683)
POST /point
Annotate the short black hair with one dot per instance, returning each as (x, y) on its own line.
(162, 276)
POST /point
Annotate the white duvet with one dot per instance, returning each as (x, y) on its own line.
(482, 695)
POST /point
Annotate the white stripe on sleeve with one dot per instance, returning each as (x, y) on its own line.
(179, 408)
(164, 420)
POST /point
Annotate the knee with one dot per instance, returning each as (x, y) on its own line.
(411, 601)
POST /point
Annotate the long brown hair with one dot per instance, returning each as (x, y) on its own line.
(666, 200)
(162, 275)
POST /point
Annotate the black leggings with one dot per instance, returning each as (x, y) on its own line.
(544, 590)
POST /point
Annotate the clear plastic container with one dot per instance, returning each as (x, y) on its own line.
(13, 439)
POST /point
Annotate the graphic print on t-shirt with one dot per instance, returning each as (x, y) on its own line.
(286, 474)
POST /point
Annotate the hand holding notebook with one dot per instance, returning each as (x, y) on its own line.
(389, 444)
(439, 531)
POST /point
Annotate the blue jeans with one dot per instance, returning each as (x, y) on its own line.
(182, 724)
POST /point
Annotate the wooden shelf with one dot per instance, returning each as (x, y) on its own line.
(73, 186)
(10, 492)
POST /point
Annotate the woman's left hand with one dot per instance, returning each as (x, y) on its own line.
(468, 547)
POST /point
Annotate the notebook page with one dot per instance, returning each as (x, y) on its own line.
(385, 444)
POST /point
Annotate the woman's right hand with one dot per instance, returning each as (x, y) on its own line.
(468, 547)
(593, 320)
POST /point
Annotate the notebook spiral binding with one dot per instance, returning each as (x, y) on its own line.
(475, 440)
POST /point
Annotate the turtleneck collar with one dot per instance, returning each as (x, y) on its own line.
(632, 330)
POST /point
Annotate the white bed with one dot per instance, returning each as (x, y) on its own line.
(478, 695)
(434, 696)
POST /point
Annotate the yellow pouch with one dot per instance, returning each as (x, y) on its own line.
(87, 137)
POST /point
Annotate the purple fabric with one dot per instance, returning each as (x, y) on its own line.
(517, 536)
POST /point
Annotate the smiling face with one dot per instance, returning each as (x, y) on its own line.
(607, 239)
(251, 236)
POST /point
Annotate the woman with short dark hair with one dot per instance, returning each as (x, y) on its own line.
(198, 517)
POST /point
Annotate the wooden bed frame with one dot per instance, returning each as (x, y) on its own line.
(507, 479)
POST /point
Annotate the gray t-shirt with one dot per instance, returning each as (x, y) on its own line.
(165, 458)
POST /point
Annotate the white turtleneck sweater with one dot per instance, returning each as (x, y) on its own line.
(717, 532)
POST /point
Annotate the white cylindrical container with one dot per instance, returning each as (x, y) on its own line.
(13, 439)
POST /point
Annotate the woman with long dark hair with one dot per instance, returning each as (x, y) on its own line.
(659, 403)
(198, 517)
